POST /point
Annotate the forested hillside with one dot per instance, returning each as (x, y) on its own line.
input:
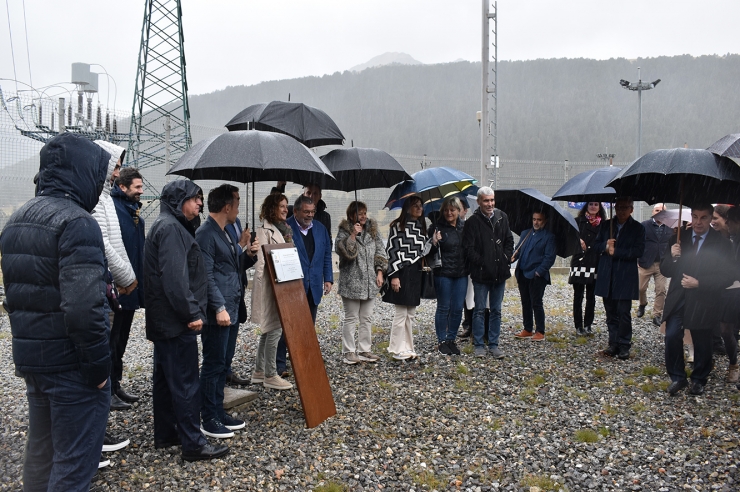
(548, 109)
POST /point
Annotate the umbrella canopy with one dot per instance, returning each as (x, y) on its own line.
(519, 205)
(249, 156)
(430, 184)
(360, 169)
(683, 176)
(670, 217)
(727, 146)
(465, 197)
(310, 126)
(589, 186)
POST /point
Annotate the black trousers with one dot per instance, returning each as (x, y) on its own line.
(578, 315)
(119, 333)
(619, 321)
(176, 393)
(531, 292)
(702, 340)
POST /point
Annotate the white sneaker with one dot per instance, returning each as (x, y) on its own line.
(368, 357)
(351, 358)
(258, 377)
(278, 383)
(103, 463)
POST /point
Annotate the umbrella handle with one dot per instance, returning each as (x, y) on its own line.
(611, 220)
(680, 209)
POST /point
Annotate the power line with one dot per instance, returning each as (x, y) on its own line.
(28, 52)
(12, 50)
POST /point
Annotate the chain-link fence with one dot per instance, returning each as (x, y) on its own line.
(22, 126)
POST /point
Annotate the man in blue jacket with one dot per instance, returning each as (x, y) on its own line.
(126, 194)
(536, 253)
(312, 241)
(621, 242)
(54, 269)
(224, 265)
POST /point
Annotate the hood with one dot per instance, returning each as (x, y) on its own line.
(174, 194)
(116, 153)
(74, 167)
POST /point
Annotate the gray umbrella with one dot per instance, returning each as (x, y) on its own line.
(727, 146)
(360, 169)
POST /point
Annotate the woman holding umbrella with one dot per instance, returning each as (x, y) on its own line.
(273, 230)
(450, 274)
(583, 266)
(407, 244)
(362, 261)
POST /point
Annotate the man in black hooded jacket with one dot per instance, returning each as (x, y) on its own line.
(175, 290)
(54, 270)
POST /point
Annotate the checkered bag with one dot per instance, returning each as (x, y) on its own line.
(583, 272)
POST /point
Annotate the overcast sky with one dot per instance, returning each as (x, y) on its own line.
(235, 42)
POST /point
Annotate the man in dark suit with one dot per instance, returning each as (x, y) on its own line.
(222, 259)
(617, 281)
(536, 253)
(312, 241)
(699, 270)
(657, 235)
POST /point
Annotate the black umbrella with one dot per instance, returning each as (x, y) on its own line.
(249, 156)
(589, 186)
(519, 205)
(727, 146)
(310, 126)
(360, 169)
(684, 176)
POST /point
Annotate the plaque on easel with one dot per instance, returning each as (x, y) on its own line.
(300, 335)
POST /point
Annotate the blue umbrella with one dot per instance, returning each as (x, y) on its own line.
(430, 184)
(589, 186)
(463, 196)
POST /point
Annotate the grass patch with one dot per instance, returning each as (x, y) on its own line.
(648, 388)
(331, 486)
(496, 425)
(650, 371)
(462, 385)
(639, 407)
(385, 385)
(604, 432)
(467, 349)
(586, 435)
(427, 479)
(582, 395)
(663, 385)
(462, 369)
(334, 321)
(610, 410)
(527, 394)
(377, 330)
(599, 373)
(580, 341)
(630, 382)
(536, 381)
(542, 481)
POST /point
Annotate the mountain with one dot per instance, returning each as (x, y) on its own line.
(386, 59)
(552, 110)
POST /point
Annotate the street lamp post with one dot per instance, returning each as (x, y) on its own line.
(638, 86)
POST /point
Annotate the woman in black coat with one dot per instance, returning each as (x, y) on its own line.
(583, 266)
(407, 244)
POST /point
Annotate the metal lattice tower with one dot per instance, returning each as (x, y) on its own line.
(489, 98)
(160, 117)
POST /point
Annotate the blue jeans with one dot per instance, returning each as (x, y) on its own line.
(215, 340)
(450, 298)
(66, 425)
(494, 294)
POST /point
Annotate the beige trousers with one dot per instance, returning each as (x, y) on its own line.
(646, 274)
(357, 313)
(402, 335)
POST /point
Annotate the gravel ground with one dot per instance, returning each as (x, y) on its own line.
(550, 416)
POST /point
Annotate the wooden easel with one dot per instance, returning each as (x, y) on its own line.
(300, 337)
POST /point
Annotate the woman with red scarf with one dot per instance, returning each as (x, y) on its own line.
(583, 267)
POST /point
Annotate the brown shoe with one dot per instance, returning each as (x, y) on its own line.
(538, 337)
(523, 334)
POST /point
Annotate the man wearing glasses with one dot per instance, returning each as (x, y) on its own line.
(621, 242)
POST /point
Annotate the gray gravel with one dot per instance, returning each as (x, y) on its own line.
(523, 423)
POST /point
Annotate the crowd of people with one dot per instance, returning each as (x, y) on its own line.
(77, 265)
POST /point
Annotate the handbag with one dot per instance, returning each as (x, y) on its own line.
(427, 282)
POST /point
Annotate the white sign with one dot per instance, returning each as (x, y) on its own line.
(287, 264)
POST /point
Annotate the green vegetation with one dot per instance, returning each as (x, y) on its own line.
(427, 479)
(544, 482)
(331, 486)
(586, 435)
(650, 371)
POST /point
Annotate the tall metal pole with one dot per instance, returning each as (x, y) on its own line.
(489, 101)
(484, 95)
(639, 114)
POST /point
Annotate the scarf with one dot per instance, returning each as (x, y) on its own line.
(406, 247)
(594, 220)
(286, 231)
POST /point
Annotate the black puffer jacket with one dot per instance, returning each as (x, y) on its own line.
(54, 266)
(451, 247)
(489, 245)
(175, 281)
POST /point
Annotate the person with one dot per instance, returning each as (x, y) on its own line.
(118, 262)
(726, 220)
(698, 268)
(223, 264)
(618, 283)
(273, 230)
(175, 289)
(535, 254)
(53, 264)
(657, 235)
(583, 267)
(362, 261)
(126, 194)
(407, 244)
(312, 191)
(450, 274)
(488, 244)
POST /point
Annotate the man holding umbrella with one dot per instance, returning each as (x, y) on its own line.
(621, 241)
